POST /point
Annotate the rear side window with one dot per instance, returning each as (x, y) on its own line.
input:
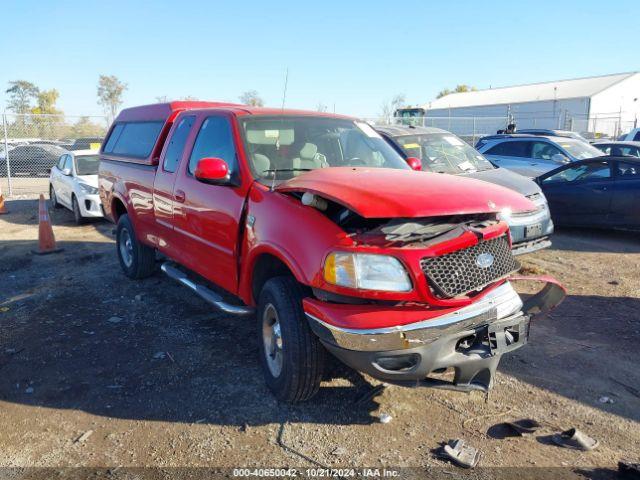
(628, 171)
(637, 136)
(214, 140)
(176, 144)
(133, 139)
(510, 149)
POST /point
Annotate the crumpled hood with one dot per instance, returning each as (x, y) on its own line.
(506, 178)
(392, 193)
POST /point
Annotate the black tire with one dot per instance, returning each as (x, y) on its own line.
(77, 214)
(142, 260)
(302, 354)
(53, 198)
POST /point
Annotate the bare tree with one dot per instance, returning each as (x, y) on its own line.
(388, 107)
(162, 99)
(21, 94)
(110, 91)
(321, 107)
(251, 97)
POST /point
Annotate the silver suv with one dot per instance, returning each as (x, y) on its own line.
(533, 155)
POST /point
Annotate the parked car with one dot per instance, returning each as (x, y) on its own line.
(86, 143)
(33, 159)
(73, 183)
(552, 133)
(442, 152)
(632, 136)
(533, 155)
(598, 192)
(315, 225)
(619, 149)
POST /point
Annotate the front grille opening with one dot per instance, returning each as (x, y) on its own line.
(470, 269)
(467, 343)
(398, 363)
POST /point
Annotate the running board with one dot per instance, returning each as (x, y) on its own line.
(205, 293)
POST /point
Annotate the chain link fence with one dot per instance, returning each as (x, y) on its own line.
(31, 144)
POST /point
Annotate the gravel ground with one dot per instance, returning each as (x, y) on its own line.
(100, 371)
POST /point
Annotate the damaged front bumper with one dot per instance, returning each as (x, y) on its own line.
(470, 340)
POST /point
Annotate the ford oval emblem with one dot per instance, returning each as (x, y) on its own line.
(484, 260)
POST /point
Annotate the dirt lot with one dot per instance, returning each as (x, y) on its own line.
(161, 380)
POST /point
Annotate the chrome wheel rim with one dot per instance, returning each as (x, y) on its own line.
(126, 247)
(272, 339)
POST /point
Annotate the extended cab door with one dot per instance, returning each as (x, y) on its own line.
(163, 195)
(206, 217)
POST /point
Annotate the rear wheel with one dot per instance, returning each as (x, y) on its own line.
(292, 357)
(77, 214)
(53, 197)
(136, 259)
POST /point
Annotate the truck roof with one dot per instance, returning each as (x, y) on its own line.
(163, 111)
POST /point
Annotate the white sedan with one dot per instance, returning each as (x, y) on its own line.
(74, 184)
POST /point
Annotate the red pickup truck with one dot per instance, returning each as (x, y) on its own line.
(313, 224)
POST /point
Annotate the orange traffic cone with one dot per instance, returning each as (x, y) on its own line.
(3, 210)
(46, 240)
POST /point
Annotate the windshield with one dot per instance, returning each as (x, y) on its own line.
(580, 150)
(87, 164)
(283, 147)
(443, 153)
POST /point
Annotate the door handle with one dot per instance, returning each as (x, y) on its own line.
(180, 196)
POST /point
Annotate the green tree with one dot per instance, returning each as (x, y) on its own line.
(84, 127)
(47, 102)
(110, 91)
(21, 93)
(251, 97)
(462, 88)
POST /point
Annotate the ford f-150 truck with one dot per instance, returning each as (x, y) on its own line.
(313, 224)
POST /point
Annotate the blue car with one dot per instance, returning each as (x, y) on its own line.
(601, 192)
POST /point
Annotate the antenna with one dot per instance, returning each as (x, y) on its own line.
(284, 93)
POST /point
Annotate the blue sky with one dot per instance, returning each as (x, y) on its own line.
(354, 54)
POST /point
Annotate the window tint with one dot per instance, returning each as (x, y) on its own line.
(135, 139)
(511, 149)
(67, 162)
(113, 138)
(628, 171)
(586, 171)
(636, 138)
(214, 140)
(543, 150)
(176, 144)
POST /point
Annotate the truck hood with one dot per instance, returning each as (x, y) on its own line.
(506, 178)
(393, 193)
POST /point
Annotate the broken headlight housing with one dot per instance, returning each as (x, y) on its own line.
(366, 272)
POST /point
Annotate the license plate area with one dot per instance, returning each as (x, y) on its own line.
(532, 231)
(508, 334)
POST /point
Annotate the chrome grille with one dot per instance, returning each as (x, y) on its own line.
(466, 270)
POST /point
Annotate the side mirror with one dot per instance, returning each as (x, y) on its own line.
(414, 163)
(559, 158)
(66, 172)
(214, 171)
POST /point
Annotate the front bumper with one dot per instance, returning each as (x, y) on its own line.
(470, 340)
(530, 232)
(90, 206)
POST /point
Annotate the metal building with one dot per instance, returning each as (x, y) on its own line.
(607, 104)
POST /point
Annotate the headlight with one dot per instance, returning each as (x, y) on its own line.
(505, 214)
(366, 272)
(88, 189)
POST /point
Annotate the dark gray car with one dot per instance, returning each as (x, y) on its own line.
(442, 152)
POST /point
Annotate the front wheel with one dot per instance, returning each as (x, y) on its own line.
(136, 259)
(292, 357)
(77, 214)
